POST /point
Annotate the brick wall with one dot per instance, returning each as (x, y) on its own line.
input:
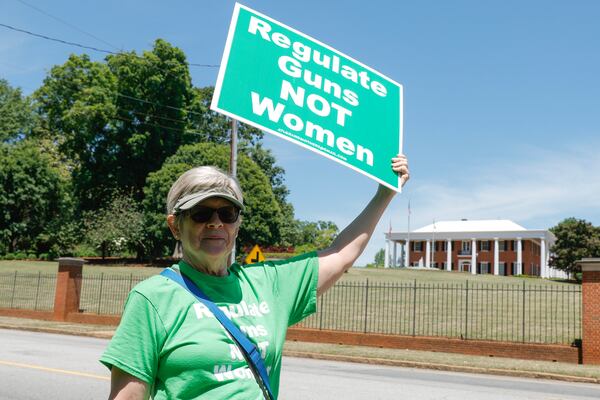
(526, 351)
(591, 311)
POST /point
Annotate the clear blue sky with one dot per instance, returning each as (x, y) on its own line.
(502, 98)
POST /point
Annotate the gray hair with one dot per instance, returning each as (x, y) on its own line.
(207, 179)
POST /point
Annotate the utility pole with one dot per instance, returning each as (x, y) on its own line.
(407, 259)
(233, 167)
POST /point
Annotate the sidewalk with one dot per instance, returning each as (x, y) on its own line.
(369, 355)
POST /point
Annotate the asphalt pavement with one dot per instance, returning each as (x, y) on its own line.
(37, 365)
(366, 355)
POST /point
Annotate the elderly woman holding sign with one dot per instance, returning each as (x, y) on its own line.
(204, 329)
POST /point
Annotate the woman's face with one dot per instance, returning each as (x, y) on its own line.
(208, 244)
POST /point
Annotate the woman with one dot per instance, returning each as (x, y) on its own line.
(170, 346)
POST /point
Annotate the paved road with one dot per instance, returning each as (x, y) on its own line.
(320, 380)
(36, 366)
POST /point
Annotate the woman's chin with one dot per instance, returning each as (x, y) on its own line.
(214, 248)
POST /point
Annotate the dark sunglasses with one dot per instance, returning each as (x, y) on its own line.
(227, 214)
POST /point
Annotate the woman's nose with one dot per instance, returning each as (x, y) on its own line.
(214, 220)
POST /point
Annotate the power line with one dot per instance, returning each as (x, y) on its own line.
(147, 102)
(38, 35)
(115, 53)
(57, 40)
(65, 23)
(158, 104)
(158, 125)
(181, 121)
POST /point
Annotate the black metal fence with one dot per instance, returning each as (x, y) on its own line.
(27, 290)
(502, 312)
(506, 312)
(106, 293)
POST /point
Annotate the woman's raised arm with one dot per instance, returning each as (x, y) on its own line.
(351, 242)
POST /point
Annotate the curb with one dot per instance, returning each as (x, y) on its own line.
(354, 359)
(61, 331)
(442, 367)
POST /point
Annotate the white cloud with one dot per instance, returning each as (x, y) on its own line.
(536, 191)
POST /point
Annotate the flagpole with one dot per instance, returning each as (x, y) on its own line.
(233, 168)
(407, 260)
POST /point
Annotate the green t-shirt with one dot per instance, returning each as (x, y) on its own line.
(173, 342)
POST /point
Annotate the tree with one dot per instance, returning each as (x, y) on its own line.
(316, 235)
(380, 257)
(120, 119)
(575, 239)
(17, 118)
(35, 204)
(117, 227)
(290, 234)
(261, 219)
(77, 103)
(215, 127)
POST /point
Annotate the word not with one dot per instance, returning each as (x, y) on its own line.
(236, 353)
(322, 135)
(292, 67)
(225, 372)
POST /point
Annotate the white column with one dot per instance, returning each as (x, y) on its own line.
(386, 261)
(428, 254)
(407, 254)
(519, 257)
(449, 255)
(395, 255)
(496, 256)
(473, 256)
(543, 266)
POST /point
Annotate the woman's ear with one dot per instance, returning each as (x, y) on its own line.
(172, 222)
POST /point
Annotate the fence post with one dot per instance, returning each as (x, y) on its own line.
(12, 296)
(466, 310)
(68, 287)
(366, 303)
(37, 290)
(590, 288)
(100, 295)
(414, 308)
(321, 312)
(524, 308)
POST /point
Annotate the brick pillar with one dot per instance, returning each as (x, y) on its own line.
(68, 287)
(590, 338)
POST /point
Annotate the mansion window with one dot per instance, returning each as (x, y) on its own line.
(484, 245)
(484, 267)
(466, 246)
(501, 268)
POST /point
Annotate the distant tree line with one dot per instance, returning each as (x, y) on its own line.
(88, 158)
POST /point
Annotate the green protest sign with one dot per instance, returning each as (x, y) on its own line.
(293, 86)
